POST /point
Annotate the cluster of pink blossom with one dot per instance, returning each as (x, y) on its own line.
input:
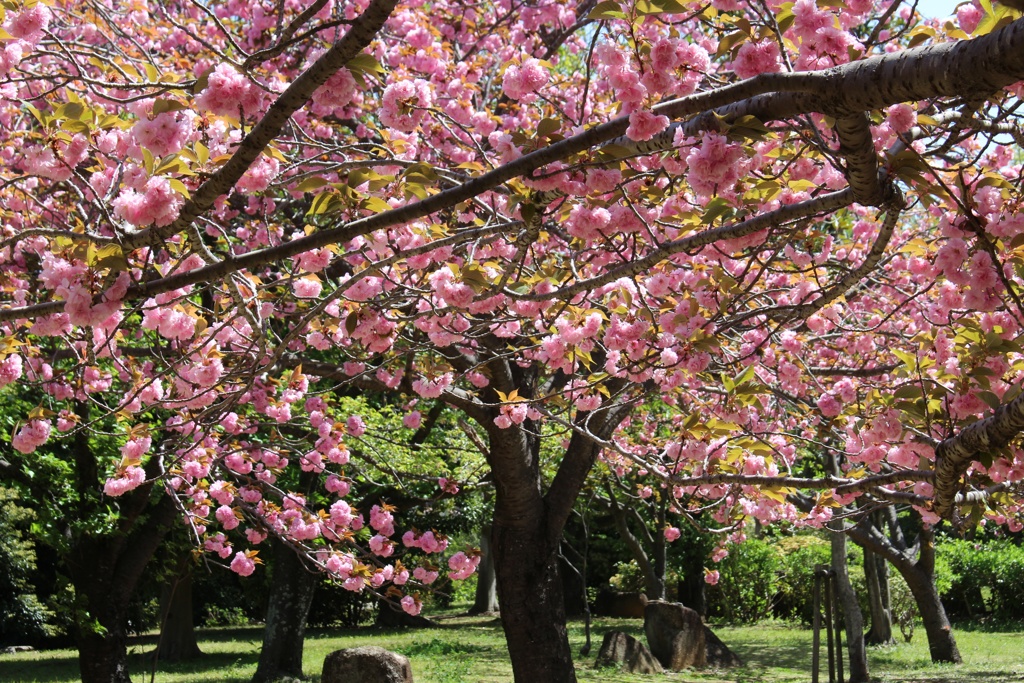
(229, 92)
(462, 565)
(715, 165)
(154, 203)
(428, 541)
(10, 369)
(31, 436)
(166, 133)
(524, 78)
(405, 104)
(128, 479)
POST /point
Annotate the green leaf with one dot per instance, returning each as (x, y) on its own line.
(363, 63)
(716, 208)
(908, 391)
(548, 126)
(324, 202)
(166, 104)
(310, 184)
(609, 9)
(374, 204)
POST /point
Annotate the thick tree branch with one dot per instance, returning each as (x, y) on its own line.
(858, 148)
(356, 39)
(956, 454)
(978, 66)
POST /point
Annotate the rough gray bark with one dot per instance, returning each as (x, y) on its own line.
(876, 576)
(852, 617)
(954, 455)
(290, 598)
(486, 597)
(920, 578)
(177, 630)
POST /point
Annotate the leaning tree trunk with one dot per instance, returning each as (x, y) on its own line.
(291, 595)
(876, 576)
(921, 581)
(486, 598)
(920, 578)
(852, 616)
(177, 628)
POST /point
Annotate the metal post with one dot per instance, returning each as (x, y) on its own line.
(839, 638)
(816, 648)
(829, 626)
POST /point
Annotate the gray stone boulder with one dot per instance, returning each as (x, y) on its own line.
(679, 639)
(622, 648)
(369, 664)
(675, 635)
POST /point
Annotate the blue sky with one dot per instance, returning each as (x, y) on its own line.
(937, 8)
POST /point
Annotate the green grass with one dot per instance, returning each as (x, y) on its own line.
(472, 650)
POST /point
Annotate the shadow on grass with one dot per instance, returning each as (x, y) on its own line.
(142, 664)
(438, 647)
(776, 655)
(50, 670)
(962, 677)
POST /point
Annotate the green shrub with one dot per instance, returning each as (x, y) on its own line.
(748, 587)
(981, 579)
(801, 554)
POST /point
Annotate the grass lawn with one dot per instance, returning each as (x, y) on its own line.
(472, 650)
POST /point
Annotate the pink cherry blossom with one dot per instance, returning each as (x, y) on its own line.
(243, 565)
(644, 125)
(757, 58)
(404, 104)
(523, 79)
(31, 436)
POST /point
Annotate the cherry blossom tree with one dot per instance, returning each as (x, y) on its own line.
(796, 225)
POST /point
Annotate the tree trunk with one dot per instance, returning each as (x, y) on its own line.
(876, 577)
(921, 581)
(658, 556)
(691, 588)
(941, 642)
(528, 525)
(103, 656)
(290, 598)
(105, 571)
(486, 599)
(852, 617)
(920, 578)
(532, 608)
(177, 629)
